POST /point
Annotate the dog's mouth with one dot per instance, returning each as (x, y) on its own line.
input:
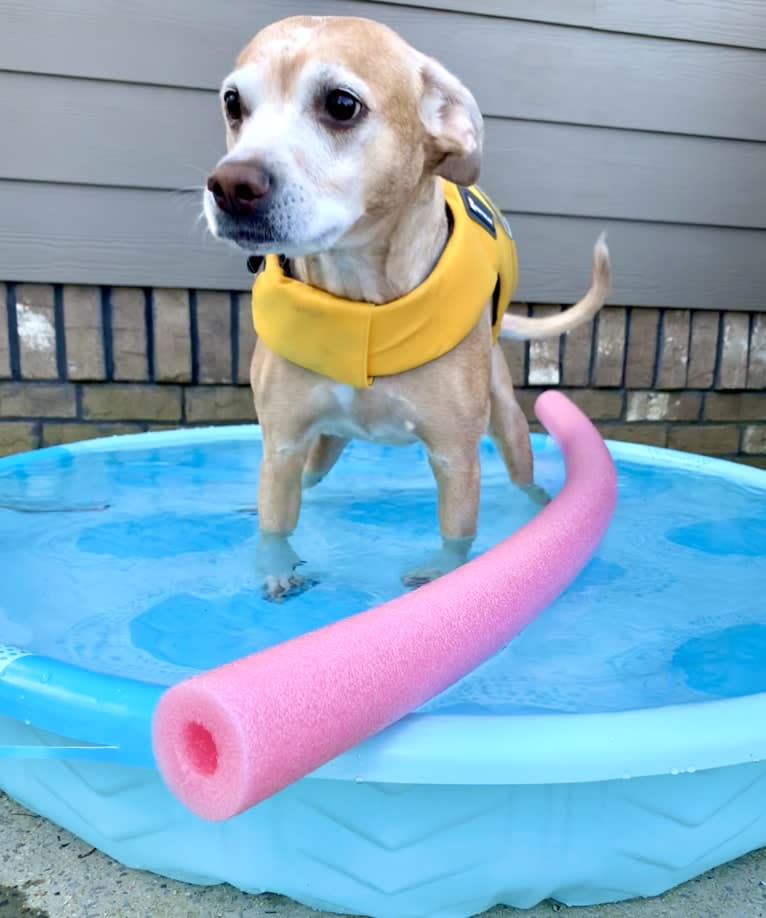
(249, 236)
(260, 238)
(273, 230)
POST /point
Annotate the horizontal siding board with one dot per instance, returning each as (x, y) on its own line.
(538, 71)
(108, 133)
(626, 175)
(120, 237)
(150, 238)
(141, 136)
(654, 264)
(741, 23)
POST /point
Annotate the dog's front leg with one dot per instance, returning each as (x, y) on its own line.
(458, 477)
(279, 503)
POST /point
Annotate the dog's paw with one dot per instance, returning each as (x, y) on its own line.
(451, 555)
(277, 564)
(420, 576)
(537, 494)
(278, 588)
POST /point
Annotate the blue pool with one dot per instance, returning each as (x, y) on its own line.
(128, 564)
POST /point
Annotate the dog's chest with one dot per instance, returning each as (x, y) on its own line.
(377, 414)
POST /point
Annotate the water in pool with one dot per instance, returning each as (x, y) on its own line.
(139, 563)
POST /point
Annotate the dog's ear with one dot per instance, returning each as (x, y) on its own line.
(453, 124)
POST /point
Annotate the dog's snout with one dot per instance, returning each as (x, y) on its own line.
(238, 188)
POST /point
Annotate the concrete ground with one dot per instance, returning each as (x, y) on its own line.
(47, 873)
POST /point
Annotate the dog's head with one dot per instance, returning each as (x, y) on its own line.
(331, 124)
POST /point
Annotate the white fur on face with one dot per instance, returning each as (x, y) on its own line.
(317, 193)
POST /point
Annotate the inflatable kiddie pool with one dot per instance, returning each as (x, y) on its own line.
(614, 748)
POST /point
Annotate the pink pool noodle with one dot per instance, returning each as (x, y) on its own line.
(226, 739)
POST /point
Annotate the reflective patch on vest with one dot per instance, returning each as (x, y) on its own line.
(478, 211)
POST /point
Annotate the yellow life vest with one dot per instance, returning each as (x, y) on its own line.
(353, 342)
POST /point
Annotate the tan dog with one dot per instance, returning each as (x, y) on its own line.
(336, 132)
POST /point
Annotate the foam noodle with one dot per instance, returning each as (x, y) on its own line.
(226, 739)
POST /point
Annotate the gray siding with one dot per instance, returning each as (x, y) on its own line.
(647, 119)
(740, 24)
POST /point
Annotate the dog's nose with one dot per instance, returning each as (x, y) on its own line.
(238, 188)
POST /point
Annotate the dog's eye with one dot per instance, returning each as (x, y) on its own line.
(341, 105)
(233, 104)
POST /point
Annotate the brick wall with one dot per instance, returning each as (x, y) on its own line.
(690, 380)
(79, 362)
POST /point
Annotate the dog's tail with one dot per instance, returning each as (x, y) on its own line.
(523, 328)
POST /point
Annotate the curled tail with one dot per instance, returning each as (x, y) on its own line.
(523, 328)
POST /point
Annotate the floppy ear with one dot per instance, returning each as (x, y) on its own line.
(453, 123)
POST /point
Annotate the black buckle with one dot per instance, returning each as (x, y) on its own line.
(254, 263)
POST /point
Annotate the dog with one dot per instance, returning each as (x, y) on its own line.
(345, 146)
